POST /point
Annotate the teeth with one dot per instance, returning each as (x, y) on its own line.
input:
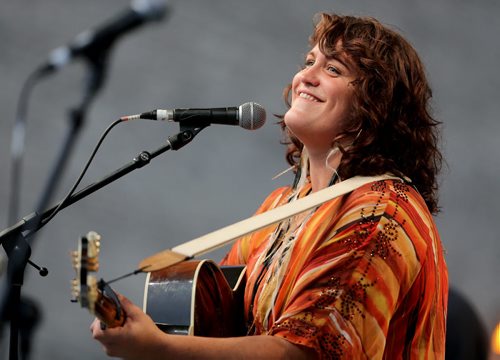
(308, 97)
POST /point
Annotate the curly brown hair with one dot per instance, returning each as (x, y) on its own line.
(390, 106)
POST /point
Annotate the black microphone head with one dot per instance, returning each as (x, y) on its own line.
(251, 116)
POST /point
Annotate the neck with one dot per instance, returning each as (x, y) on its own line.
(321, 167)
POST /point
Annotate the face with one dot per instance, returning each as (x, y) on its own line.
(321, 100)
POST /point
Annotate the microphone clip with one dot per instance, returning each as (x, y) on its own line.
(185, 136)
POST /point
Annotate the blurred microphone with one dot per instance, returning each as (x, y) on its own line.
(99, 39)
(249, 116)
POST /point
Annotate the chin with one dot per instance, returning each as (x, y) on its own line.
(295, 127)
(292, 116)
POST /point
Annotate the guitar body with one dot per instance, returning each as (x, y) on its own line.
(196, 297)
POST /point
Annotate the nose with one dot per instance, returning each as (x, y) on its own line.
(309, 76)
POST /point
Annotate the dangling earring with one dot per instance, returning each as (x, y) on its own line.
(334, 151)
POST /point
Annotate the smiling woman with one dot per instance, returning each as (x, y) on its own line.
(322, 95)
(389, 113)
(361, 276)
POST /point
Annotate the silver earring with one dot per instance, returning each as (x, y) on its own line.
(331, 153)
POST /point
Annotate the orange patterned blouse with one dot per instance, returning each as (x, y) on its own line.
(360, 277)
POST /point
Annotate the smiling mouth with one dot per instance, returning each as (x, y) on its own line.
(309, 97)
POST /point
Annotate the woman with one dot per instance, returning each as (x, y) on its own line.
(363, 275)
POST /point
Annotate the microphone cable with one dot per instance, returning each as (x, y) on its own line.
(44, 222)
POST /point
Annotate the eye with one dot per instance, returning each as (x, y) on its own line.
(332, 69)
(308, 63)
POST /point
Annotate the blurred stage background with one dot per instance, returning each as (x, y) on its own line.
(223, 53)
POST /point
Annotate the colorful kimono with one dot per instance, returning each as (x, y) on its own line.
(360, 277)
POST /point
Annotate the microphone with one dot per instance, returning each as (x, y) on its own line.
(249, 116)
(100, 39)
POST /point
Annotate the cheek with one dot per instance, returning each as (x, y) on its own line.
(295, 84)
(344, 98)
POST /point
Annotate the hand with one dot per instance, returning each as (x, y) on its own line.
(137, 338)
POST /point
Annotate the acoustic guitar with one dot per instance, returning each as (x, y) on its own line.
(193, 297)
(188, 296)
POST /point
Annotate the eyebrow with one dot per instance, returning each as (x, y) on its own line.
(344, 63)
(333, 57)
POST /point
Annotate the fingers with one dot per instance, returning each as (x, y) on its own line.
(97, 329)
(129, 307)
(107, 338)
(94, 325)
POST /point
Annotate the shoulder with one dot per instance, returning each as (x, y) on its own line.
(382, 207)
(398, 212)
(274, 199)
(388, 193)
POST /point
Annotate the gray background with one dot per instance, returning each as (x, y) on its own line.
(223, 53)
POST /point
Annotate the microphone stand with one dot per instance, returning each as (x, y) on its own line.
(19, 250)
(15, 238)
